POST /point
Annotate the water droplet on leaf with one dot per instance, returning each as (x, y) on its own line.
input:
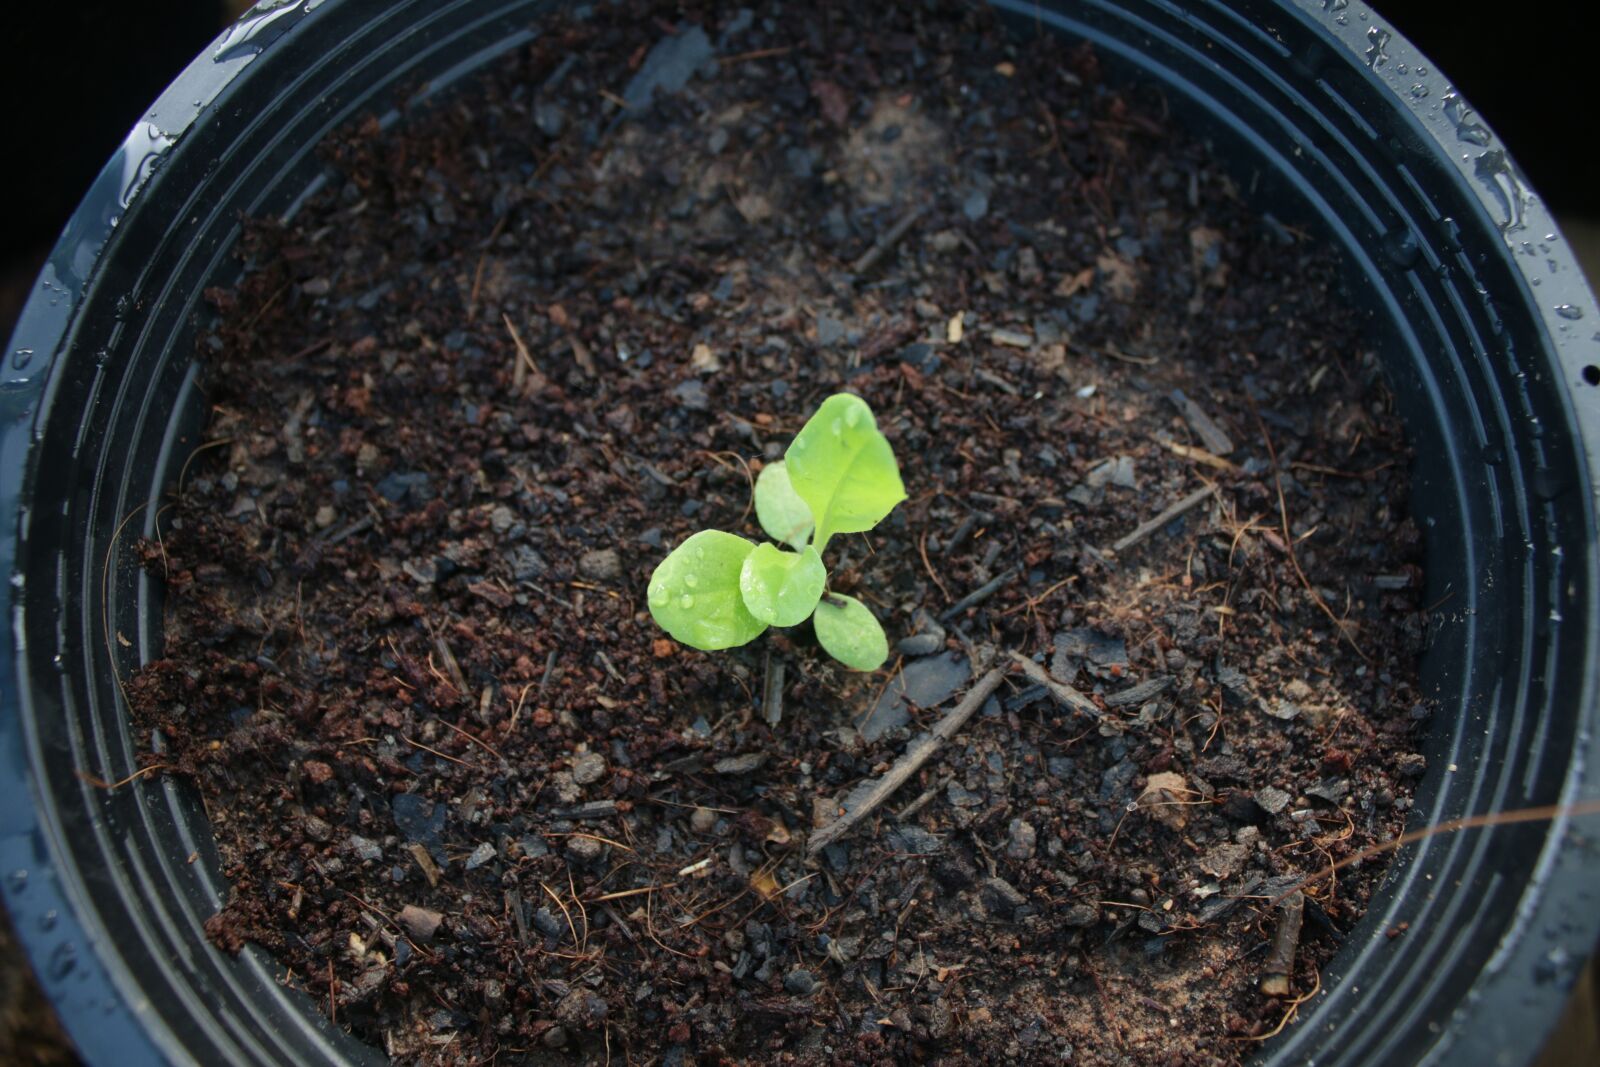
(686, 601)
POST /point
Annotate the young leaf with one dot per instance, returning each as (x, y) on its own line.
(844, 469)
(780, 510)
(781, 587)
(694, 592)
(850, 633)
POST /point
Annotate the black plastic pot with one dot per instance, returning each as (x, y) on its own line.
(1335, 122)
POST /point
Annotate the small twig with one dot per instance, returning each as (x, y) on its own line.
(359, 526)
(886, 242)
(916, 754)
(979, 595)
(477, 274)
(101, 783)
(481, 744)
(922, 801)
(760, 53)
(544, 681)
(523, 368)
(922, 547)
(1279, 968)
(430, 870)
(1063, 692)
(436, 752)
(1199, 455)
(619, 894)
(1150, 526)
(772, 691)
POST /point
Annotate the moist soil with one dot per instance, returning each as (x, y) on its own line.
(481, 809)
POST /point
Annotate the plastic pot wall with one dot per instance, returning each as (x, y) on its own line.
(1333, 121)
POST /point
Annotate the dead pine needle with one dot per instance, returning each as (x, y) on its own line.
(101, 783)
(1289, 541)
(1470, 822)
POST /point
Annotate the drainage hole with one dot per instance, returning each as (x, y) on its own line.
(1591, 374)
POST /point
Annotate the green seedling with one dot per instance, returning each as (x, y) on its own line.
(717, 590)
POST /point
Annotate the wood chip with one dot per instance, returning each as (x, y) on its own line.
(1211, 435)
(1279, 967)
(430, 869)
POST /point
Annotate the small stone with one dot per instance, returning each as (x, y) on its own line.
(501, 519)
(976, 205)
(565, 789)
(1224, 859)
(704, 361)
(600, 564)
(584, 849)
(581, 1009)
(1080, 916)
(325, 516)
(961, 797)
(1286, 710)
(744, 764)
(799, 982)
(1012, 338)
(702, 820)
(316, 829)
(481, 855)
(1163, 797)
(830, 331)
(526, 564)
(1000, 897)
(365, 850)
(1272, 800)
(317, 771)
(1332, 790)
(692, 395)
(1118, 471)
(421, 923)
(1024, 840)
(588, 768)
(920, 644)
(555, 1037)
(549, 923)
(1028, 271)
(549, 117)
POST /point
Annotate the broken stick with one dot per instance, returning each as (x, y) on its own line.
(1150, 526)
(1279, 968)
(885, 243)
(1211, 435)
(1063, 692)
(916, 754)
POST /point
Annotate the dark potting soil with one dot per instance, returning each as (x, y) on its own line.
(480, 807)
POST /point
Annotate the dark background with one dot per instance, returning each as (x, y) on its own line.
(76, 76)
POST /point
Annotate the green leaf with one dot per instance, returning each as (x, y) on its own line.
(780, 510)
(781, 587)
(850, 633)
(844, 469)
(694, 592)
